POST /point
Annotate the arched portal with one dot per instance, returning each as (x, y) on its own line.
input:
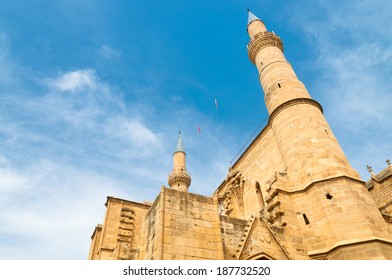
(260, 256)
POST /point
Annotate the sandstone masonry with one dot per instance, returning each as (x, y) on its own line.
(291, 195)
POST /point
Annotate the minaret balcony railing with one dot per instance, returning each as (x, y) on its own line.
(179, 171)
(262, 40)
(179, 176)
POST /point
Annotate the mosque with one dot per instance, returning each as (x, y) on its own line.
(291, 195)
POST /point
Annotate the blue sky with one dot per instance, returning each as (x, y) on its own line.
(93, 93)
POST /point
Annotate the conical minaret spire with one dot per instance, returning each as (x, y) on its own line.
(255, 25)
(179, 178)
(251, 17)
(180, 145)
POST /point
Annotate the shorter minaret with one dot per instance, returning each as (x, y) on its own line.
(179, 178)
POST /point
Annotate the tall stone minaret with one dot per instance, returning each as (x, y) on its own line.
(179, 177)
(307, 144)
(324, 202)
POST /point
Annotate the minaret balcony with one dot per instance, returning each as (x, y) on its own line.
(179, 175)
(262, 40)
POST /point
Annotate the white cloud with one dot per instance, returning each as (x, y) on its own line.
(10, 179)
(135, 138)
(75, 80)
(135, 131)
(61, 206)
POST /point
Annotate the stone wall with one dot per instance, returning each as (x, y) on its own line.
(153, 232)
(257, 168)
(366, 250)
(232, 230)
(122, 234)
(191, 228)
(380, 188)
(95, 242)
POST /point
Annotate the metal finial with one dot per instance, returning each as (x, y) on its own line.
(369, 168)
(388, 162)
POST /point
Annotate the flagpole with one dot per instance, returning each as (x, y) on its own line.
(217, 127)
(198, 148)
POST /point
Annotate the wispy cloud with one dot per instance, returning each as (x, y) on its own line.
(108, 53)
(352, 42)
(51, 205)
(75, 80)
(10, 179)
(72, 140)
(134, 133)
(64, 149)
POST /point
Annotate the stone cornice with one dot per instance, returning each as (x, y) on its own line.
(293, 102)
(121, 201)
(385, 206)
(97, 228)
(262, 40)
(313, 183)
(349, 242)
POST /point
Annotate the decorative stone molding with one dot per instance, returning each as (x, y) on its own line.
(321, 257)
(233, 197)
(387, 218)
(293, 102)
(179, 176)
(273, 212)
(125, 233)
(262, 40)
(244, 238)
(124, 201)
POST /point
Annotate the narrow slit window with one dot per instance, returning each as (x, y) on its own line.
(279, 85)
(259, 194)
(306, 219)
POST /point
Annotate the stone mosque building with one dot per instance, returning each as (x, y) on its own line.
(291, 195)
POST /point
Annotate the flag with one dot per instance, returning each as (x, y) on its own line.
(216, 103)
(198, 129)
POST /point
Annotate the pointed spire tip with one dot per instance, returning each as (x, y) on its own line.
(180, 145)
(251, 17)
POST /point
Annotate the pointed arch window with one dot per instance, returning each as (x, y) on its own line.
(259, 195)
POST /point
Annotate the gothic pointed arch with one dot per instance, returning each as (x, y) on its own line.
(259, 195)
(260, 256)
